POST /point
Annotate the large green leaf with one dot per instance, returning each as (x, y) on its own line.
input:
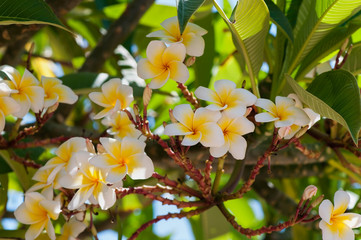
(315, 20)
(27, 12)
(327, 45)
(18, 169)
(249, 27)
(334, 95)
(185, 10)
(280, 19)
(353, 62)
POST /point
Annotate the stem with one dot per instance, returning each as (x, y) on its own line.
(188, 95)
(218, 174)
(255, 171)
(166, 217)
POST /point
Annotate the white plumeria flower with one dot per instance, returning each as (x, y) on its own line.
(289, 131)
(120, 126)
(90, 182)
(233, 130)
(191, 36)
(45, 178)
(37, 211)
(335, 223)
(124, 157)
(199, 126)
(162, 63)
(233, 101)
(55, 92)
(72, 229)
(7, 104)
(63, 163)
(114, 97)
(284, 112)
(26, 90)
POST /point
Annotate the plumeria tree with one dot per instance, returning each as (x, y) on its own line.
(241, 116)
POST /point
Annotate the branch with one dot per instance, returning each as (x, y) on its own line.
(16, 36)
(117, 34)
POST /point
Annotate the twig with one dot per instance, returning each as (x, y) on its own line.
(188, 95)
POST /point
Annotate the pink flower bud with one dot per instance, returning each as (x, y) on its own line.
(309, 192)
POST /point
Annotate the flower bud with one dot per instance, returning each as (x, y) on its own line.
(309, 192)
(190, 61)
(90, 146)
(147, 94)
(302, 131)
(317, 201)
(101, 149)
(53, 108)
(171, 116)
(248, 111)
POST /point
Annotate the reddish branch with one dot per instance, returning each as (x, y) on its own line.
(166, 217)
(188, 95)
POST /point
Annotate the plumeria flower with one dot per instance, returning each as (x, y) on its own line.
(46, 178)
(114, 96)
(120, 126)
(55, 92)
(284, 112)
(37, 211)
(233, 130)
(72, 229)
(64, 161)
(25, 91)
(90, 182)
(191, 36)
(7, 104)
(162, 63)
(289, 131)
(199, 126)
(233, 101)
(124, 157)
(335, 223)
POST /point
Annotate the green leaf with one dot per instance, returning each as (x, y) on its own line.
(185, 10)
(334, 95)
(249, 30)
(280, 19)
(353, 62)
(18, 169)
(327, 45)
(28, 12)
(4, 183)
(316, 19)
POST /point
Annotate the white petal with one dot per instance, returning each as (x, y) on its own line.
(266, 104)
(155, 51)
(176, 129)
(325, 210)
(175, 52)
(191, 27)
(238, 146)
(194, 44)
(314, 117)
(224, 85)
(184, 114)
(203, 115)
(160, 33)
(192, 139)
(341, 200)
(219, 151)
(284, 123)
(178, 72)
(353, 221)
(327, 233)
(205, 94)
(36, 97)
(80, 197)
(24, 102)
(50, 230)
(265, 117)
(300, 116)
(212, 135)
(99, 99)
(160, 80)
(146, 70)
(298, 102)
(284, 101)
(144, 168)
(52, 207)
(35, 230)
(106, 198)
(2, 121)
(346, 234)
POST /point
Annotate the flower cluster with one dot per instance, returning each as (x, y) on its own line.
(288, 114)
(92, 175)
(20, 93)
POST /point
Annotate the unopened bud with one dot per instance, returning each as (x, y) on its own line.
(190, 61)
(136, 110)
(309, 192)
(302, 131)
(90, 146)
(344, 45)
(101, 149)
(248, 111)
(244, 84)
(171, 116)
(317, 201)
(147, 94)
(53, 108)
